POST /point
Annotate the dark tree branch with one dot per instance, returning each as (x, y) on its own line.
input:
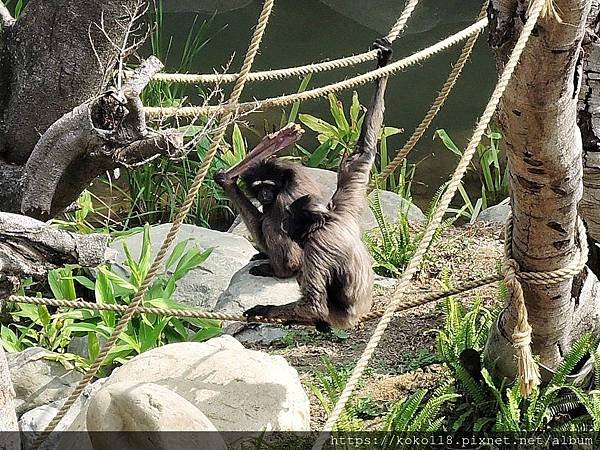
(30, 248)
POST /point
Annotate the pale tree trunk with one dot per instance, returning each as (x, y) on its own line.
(589, 123)
(538, 119)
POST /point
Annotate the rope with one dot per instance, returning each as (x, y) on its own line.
(197, 314)
(435, 106)
(527, 368)
(415, 261)
(177, 223)
(350, 83)
(299, 71)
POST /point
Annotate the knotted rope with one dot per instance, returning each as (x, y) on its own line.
(527, 368)
(279, 74)
(445, 200)
(176, 226)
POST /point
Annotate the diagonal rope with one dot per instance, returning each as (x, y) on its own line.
(415, 261)
(435, 106)
(176, 226)
(350, 83)
(279, 74)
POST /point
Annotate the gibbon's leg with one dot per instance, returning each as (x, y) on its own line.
(251, 216)
(354, 171)
(301, 312)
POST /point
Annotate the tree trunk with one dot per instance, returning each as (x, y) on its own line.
(589, 123)
(537, 116)
(60, 127)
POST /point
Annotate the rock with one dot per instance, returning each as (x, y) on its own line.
(236, 389)
(257, 334)
(202, 286)
(148, 407)
(79, 345)
(391, 204)
(245, 291)
(496, 214)
(38, 380)
(37, 419)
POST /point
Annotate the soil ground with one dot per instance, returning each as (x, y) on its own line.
(405, 359)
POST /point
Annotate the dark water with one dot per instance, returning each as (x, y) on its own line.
(304, 31)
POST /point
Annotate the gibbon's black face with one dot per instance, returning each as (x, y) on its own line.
(302, 217)
(265, 181)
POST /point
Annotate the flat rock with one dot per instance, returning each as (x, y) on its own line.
(236, 389)
(246, 290)
(153, 409)
(202, 286)
(37, 380)
(8, 416)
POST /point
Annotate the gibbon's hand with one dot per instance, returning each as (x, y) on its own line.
(384, 51)
(223, 179)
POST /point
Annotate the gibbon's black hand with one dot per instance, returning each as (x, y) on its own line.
(384, 51)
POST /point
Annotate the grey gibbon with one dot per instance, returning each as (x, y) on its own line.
(336, 276)
(275, 183)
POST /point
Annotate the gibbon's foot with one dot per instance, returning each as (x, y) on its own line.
(263, 270)
(322, 327)
(265, 311)
(260, 256)
(384, 51)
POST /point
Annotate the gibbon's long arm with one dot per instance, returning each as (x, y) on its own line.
(251, 216)
(353, 174)
(269, 146)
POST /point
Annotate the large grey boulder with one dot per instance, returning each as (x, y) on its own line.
(235, 388)
(148, 407)
(38, 380)
(391, 204)
(202, 286)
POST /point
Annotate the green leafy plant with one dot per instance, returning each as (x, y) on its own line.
(392, 244)
(488, 406)
(329, 385)
(338, 138)
(493, 178)
(39, 326)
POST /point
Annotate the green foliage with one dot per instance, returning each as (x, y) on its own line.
(327, 389)
(412, 415)
(339, 137)
(156, 190)
(77, 221)
(54, 329)
(489, 406)
(392, 244)
(16, 7)
(492, 178)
